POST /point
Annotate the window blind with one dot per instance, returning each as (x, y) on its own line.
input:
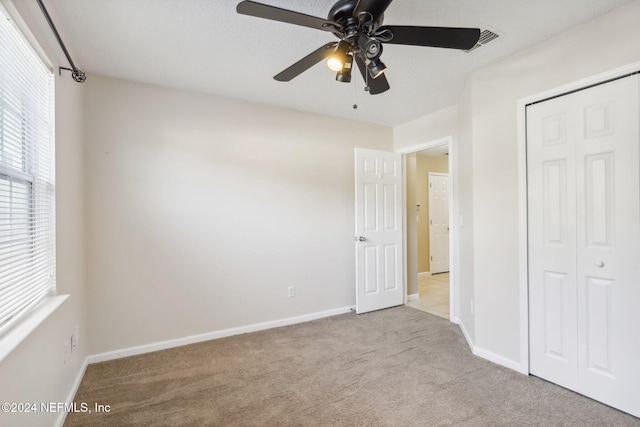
(27, 188)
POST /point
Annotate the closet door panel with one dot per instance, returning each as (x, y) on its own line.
(608, 243)
(552, 242)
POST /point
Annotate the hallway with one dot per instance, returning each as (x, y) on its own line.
(434, 294)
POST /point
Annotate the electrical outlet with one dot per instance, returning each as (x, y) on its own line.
(67, 351)
(75, 338)
(291, 292)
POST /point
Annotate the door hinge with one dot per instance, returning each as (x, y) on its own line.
(432, 258)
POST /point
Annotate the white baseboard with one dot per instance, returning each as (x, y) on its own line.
(500, 360)
(413, 297)
(424, 273)
(488, 355)
(465, 334)
(72, 393)
(163, 345)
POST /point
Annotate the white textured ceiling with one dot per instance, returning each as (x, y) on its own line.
(205, 46)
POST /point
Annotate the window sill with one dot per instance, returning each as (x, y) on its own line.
(13, 337)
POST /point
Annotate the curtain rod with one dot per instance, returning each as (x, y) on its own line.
(77, 74)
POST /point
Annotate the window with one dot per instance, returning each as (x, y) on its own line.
(27, 189)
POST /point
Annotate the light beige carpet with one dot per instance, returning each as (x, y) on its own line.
(395, 367)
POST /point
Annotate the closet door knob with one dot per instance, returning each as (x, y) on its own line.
(599, 264)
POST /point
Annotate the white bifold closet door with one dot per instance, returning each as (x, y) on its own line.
(583, 166)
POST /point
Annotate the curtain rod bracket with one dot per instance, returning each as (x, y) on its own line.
(77, 74)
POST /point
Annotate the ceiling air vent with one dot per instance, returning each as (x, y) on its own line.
(486, 36)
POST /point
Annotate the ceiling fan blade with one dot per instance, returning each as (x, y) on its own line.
(376, 86)
(260, 10)
(305, 63)
(375, 8)
(452, 38)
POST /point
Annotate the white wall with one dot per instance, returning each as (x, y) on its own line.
(201, 211)
(463, 217)
(35, 371)
(486, 167)
(607, 42)
(438, 125)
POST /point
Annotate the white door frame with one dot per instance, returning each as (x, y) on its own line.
(453, 286)
(522, 188)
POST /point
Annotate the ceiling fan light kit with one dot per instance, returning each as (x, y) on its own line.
(338, 58)
(376, 67)
(344, 75)
(358, 26)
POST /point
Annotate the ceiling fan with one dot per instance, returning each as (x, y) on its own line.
(358, 25)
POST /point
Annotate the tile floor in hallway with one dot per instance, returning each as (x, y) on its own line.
(434, 294)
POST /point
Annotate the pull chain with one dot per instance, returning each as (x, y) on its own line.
(355, 90)
(366, 80)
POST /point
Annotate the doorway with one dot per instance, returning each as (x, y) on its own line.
(434, 295)
(427, 290)
(438, 222)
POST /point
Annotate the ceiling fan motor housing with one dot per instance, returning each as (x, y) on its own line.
(357, 30)
(342, 13)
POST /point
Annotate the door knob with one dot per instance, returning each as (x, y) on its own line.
(599, 264)
(362, 239)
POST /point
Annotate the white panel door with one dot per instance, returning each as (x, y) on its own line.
(587, 194)
(438, 222)
(552, 243)
(378, 230)
(608, 250)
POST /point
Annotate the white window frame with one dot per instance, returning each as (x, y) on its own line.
(41, 185)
